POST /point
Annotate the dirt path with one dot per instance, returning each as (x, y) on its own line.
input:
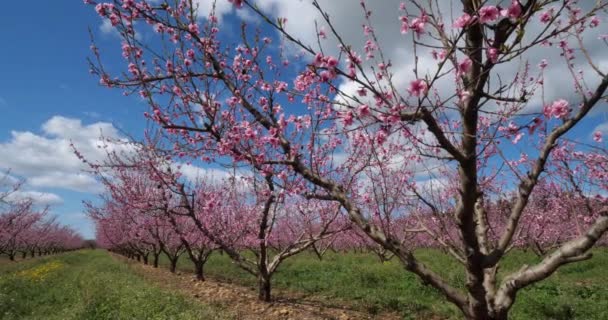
(242, 301)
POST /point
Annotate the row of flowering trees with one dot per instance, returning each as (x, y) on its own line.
(28, 230)
(149, 208)
(463, 138)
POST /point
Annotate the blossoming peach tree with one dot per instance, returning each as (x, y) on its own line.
(26, 228)
(469, 117)
(149, 203)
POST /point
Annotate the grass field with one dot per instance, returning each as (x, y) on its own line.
(87, 285)
(90, 284)
(576, 291)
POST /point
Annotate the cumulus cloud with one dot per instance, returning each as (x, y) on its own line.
(39, 198)
(206, 6)
(195, 173)
(48, 160)
(107, 28)
(347, 18)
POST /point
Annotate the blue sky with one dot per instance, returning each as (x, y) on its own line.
(48, 98)
(45, 76)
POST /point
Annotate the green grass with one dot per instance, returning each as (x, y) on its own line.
(576, 291)
(91, 285)
(87, 284)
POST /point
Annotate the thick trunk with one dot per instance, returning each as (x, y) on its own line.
(173, 265)
(156, 255)
(145, 259)
(11, 256)
(23, 255)
(138, 258)
(32, 253)
(264, 288)
(198, 269)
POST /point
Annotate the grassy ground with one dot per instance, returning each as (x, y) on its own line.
(87, 285)
(576, 291)
(92, 285)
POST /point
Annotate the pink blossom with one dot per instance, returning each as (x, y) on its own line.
(193, 27)
(517, 137)
(237, 3)
(282, 175)
(418, 24)
(465, 65)
(597, 136)
(488, 14)
(442, 54)
(405, 26)
(546, 16)
(514, 10)
(159, 28)
(101, 10)
(418, 88)
(558, 109)
(322, 33)
(327, 75)
(363, 110)
(543, 64)
(595, 21)
(332, 62)
(318, 61)
(190, 54)
(492, 54)
(462, 21)
(347, 118)
(114, 19)
(177, 91)
(133, 69)
(381, 137)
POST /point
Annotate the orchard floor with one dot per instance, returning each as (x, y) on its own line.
(358, 281)
(243, 303)
(92, 284)
(89, 284)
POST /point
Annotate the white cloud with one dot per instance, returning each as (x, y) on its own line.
(39, 198)
(48, 160)
(222, 7)
(194, 173)
(107, 28)
(73, 181)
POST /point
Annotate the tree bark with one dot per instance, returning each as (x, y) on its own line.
(156, 255)
(198, 269)
(264, 288)
(173, 265)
